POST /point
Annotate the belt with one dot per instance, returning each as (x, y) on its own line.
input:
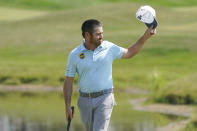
(96, 94)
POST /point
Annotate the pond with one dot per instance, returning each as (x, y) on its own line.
(38, 111)
(20, 124)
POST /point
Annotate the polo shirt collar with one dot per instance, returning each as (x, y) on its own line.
(82, 47)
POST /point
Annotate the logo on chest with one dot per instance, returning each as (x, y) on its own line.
(81, 55)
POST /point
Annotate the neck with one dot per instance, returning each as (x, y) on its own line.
(90, 46)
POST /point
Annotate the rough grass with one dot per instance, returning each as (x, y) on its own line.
(49, 4)
(181, 91)
(34, 51)
(192, 125)
(15, 14)
(67, 4)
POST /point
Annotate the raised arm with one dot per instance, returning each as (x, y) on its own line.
(68, 87)
(135, 48)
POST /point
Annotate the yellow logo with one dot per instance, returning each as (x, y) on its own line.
(81, 55)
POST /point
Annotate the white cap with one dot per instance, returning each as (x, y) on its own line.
(146, 14)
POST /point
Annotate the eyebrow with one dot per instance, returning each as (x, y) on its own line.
(99, 33)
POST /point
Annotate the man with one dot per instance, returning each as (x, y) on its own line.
(92, 61)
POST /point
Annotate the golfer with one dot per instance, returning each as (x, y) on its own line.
(92, 61)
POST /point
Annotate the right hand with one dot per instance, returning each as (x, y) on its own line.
(68, 113)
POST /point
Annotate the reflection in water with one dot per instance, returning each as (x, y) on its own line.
(19, 124)
(144, 126)
(134, 126)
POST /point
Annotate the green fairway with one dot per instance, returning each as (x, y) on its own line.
(35, 50)
(67, 4)
(15, 14)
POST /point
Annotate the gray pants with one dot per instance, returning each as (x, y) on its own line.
(95, 113)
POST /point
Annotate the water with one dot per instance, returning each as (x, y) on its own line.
(19, 124)
(46, 112)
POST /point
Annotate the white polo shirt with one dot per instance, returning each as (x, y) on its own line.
(94, 68)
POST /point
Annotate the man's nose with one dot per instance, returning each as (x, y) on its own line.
(101, 37)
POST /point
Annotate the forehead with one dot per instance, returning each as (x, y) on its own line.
(98, 29)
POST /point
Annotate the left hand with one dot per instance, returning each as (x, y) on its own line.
(148, 32)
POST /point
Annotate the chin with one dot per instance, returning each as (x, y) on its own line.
(97, 43)
(100, 42)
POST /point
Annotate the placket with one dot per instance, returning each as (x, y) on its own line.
(95, 54)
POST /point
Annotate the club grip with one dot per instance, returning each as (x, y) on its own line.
(73, 109)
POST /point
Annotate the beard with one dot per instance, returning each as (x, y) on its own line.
(96, 42)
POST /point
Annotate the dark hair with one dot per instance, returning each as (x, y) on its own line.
(89, 25)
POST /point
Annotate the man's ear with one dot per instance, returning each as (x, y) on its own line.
(87, 35)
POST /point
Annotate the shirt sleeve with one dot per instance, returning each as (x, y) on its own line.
(117, 51)
(71, 66)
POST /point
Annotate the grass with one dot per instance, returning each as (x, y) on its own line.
(45, 4)
(193, 124)
(35, 51)
(67, 4)
(15, 14)
(181, 91)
